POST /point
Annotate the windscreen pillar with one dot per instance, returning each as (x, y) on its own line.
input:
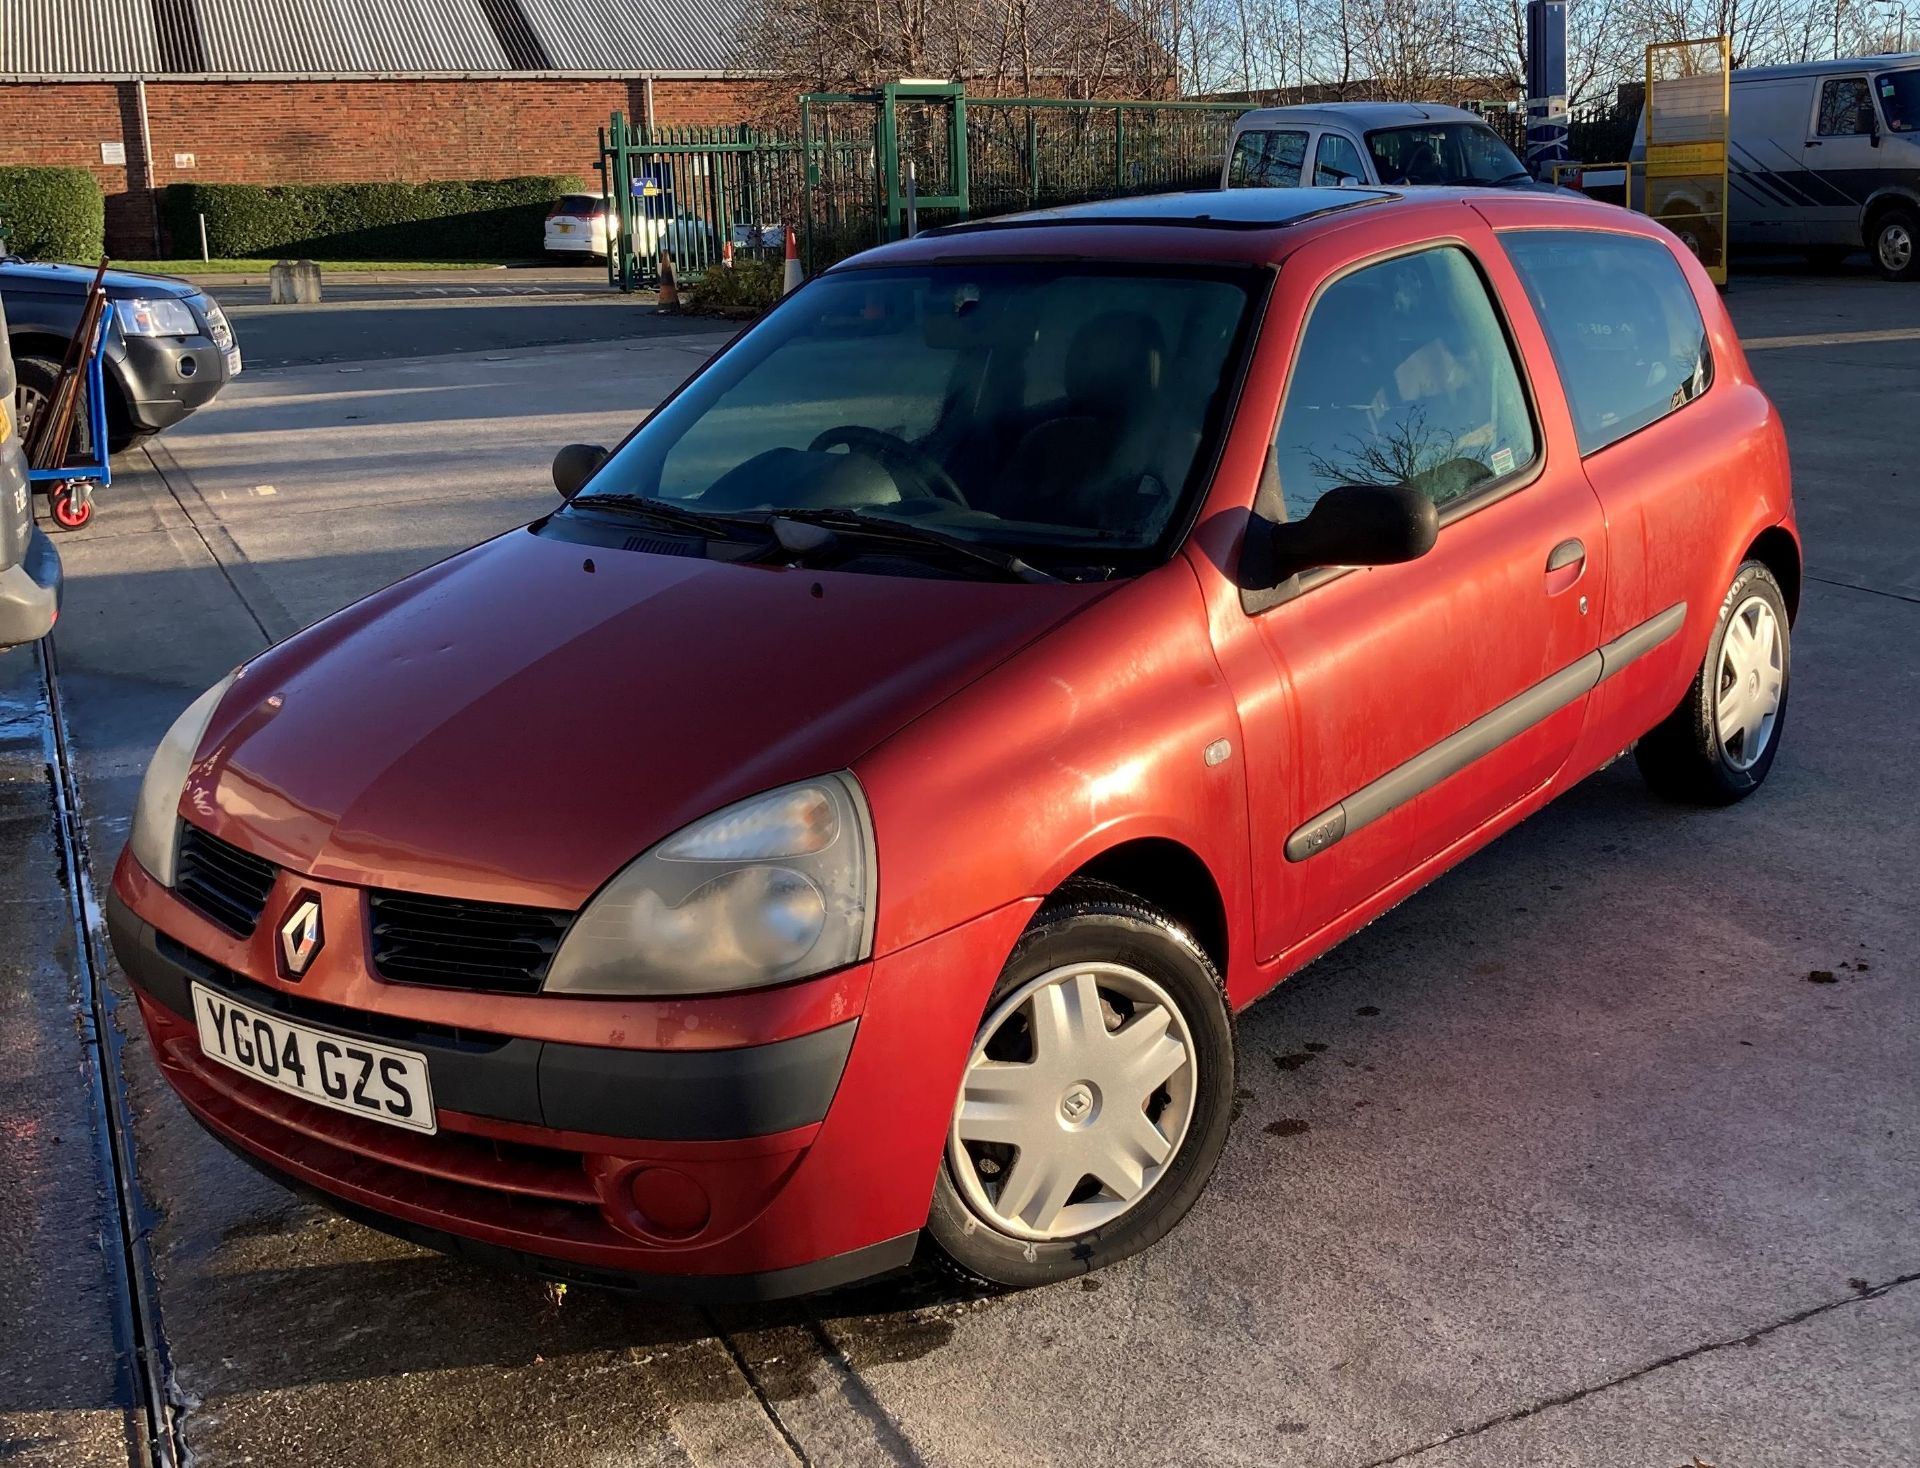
(1546, 85)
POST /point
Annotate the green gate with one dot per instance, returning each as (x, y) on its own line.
(862, 164)
(689, 191)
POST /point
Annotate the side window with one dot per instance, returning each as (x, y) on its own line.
(1337, 162)
(1404, 376)
(1622, 323)
(1846, 107)
(1267, 160)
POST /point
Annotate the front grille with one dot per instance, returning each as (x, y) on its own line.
(223, 882)
(463, 945)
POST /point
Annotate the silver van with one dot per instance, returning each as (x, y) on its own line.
(1824, 157)
(1333, 144)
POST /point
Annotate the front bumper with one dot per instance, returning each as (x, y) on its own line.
(163, 379)
(30, 592)
(811, 1155)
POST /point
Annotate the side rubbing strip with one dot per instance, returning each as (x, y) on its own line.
(1639, 641)
(1484, 735)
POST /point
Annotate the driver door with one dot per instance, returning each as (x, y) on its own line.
(1421, 700)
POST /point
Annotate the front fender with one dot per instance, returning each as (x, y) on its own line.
(1095, 735)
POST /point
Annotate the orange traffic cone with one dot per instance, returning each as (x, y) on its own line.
(791, 277)
(669, 291)
(726, 254)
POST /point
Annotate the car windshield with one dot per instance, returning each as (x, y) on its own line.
(1899, 99)
(1045, 409)
(1443, 153)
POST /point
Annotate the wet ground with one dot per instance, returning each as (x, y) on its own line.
(1602, 1150)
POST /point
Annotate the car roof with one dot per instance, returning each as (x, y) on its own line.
(1225, 226)
(1363, 115)
(1890, 62)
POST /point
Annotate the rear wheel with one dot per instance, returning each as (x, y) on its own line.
(1719, 744)
(1096, 1097)
(1896, 244)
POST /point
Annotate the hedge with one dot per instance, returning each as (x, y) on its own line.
(477, 219)
(52, 213)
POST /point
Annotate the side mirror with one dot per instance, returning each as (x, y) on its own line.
(573, 466)
(1355, 525)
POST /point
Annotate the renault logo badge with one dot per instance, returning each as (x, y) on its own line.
(300, 936)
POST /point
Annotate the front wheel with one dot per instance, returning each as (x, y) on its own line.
(1718, 745)
(1096, 1098)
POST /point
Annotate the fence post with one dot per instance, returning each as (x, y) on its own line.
(1033, 157)
(806, 179)
(1119, 148)
(622, 200)
(606, 200)
(957, 157)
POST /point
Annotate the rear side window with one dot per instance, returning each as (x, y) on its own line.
(1267, 160)
(1404, 376)
(1623, 325)
(1846, 107)
(1337, 162)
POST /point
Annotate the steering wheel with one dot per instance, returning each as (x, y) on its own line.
(891, 449)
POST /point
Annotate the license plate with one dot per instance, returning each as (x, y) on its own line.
(564, 226)
(233, 361)
(374, 1082)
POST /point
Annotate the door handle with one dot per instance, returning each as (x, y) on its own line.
(1566, 562)
(1567, 553)
(1812, 144)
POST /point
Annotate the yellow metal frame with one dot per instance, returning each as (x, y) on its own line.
(1693, 158)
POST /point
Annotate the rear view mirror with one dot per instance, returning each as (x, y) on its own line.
(573, 466)
(1355, 525)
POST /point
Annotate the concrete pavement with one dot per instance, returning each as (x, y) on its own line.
(1564, 1161)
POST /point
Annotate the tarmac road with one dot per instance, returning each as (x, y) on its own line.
(1575, 1158)
(385, 315)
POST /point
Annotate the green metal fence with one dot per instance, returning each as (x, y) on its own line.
(690, 190)
(861, 165)
(1030, 152)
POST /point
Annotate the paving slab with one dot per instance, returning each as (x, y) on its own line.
(65, 1386)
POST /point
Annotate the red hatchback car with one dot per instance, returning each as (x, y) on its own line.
(856, 813)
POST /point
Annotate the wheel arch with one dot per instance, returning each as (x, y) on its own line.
(1170, 876)
(1878, 206)
(1777, 550)
(52, 347)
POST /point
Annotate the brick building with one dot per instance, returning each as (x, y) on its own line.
(145, 93)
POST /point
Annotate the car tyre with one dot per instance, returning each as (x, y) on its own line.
(35, 379)
(1719, 744)
(1896, 244)
(1141, 963)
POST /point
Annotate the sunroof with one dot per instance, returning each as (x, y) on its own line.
(1220, 209)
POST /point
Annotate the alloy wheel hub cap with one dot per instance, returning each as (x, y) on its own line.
(1752, 681)
(1078, 1094)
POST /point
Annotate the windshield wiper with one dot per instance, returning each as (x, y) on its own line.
(677, 517)
(1507, 178)
(882, 528)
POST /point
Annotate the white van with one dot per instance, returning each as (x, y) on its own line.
(1824, 157)
(1337, 144)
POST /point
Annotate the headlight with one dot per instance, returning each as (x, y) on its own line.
(776, 887)
(156, 316)
(156, 815)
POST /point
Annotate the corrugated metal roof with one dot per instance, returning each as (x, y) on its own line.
(55, 38)
(348, 35)
(619, 35)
